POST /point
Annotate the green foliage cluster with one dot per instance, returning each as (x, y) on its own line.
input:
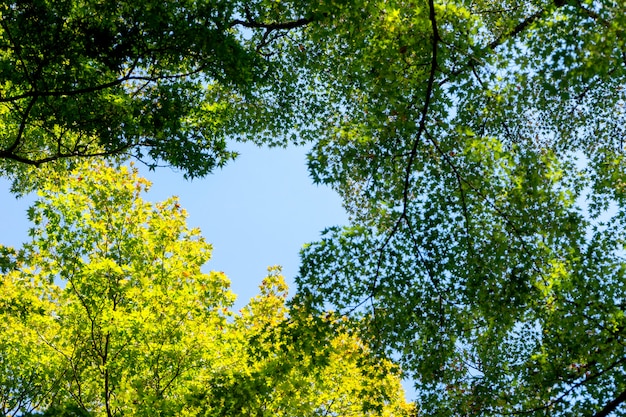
(162, 81)
(477, 145)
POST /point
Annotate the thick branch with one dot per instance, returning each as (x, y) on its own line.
(519, 28)
(611, 406)
(7, 154)
(500, 40)
(253, 24)
(85, 90)
(429, 92)
(20, 132)
(572, 388)
(413, 155)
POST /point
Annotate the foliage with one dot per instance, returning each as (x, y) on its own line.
(296, 365)
(106, 312)
(478, 147)
(162, 81)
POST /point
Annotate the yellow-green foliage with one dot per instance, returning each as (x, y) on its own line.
(107, 312)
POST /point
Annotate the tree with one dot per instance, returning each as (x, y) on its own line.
(293, 364)
(162, 81)
(478, 148)
(106, 312)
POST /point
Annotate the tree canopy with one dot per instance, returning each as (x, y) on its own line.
(478, 146)
(162, 81)
(106, 312)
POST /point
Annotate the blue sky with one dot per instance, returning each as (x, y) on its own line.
(256, 212)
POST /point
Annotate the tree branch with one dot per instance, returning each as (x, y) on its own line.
(86, 90)
(253, 24)
(5, 154)
(413, 154)
(519, 28)
(428, 97)
(611, 406)
(500, 40)
(20, 132)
